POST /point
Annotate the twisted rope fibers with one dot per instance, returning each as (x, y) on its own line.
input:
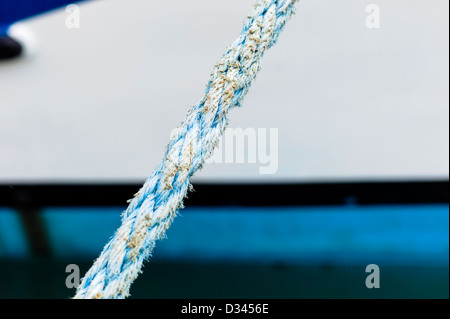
(153, 208)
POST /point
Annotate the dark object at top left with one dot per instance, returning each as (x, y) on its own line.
(9, 48)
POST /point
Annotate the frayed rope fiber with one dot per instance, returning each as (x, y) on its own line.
(153, 208)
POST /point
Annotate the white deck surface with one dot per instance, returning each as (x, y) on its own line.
(98, 103)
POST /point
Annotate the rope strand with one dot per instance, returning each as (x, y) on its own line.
(153, 208)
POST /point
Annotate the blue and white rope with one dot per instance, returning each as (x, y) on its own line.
(153, 208)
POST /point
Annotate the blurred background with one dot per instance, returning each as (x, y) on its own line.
(357, 92)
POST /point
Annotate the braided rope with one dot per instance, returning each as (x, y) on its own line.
(153, 208)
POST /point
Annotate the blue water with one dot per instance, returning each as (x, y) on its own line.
(396, 234)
